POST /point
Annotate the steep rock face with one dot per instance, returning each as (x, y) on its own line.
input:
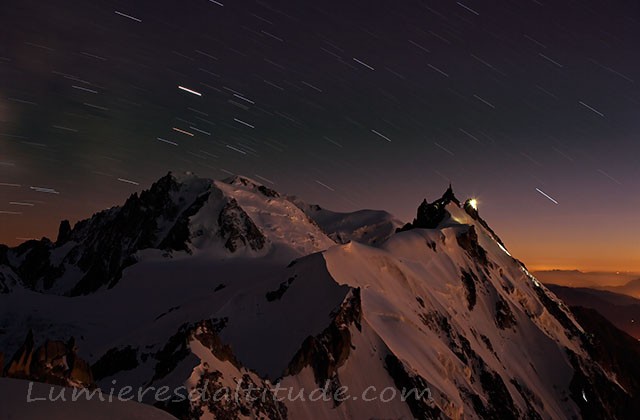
(179, 236)
(468, 240)
(54, 362)
(329, 350)
(421, 406)
(175, 350)
(221, 374)
(64, 232)
(236, 228)
(224, 389)
(36, 265)
(104, 245)
(207, 332)
(109, 240)
(255, 406)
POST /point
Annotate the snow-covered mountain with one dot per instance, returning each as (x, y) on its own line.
(223, 219)
(207, 284)
(370, 227)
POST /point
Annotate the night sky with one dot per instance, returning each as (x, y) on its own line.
(349, 104)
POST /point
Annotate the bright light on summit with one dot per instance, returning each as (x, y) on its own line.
(473, 203)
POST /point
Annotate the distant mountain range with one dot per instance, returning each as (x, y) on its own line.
(596, 280)
(631, 288)
(199, 283)
(621, 310)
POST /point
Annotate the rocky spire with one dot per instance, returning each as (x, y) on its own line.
(20, 364)
(64, 232)
(449, 197)
(429, 215)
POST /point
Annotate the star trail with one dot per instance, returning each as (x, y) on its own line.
(530, 106)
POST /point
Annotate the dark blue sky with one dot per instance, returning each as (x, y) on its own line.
(349, 104)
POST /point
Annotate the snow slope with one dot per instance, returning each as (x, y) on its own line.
(371, 227)
(14, 405)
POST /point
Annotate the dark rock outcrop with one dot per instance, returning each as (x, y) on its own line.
(420, 402)
(473, 212)
(530, 399)
(469, 281)
(177, 347)
(110, 238)
(64, 232)
(280, 291)
(430, 215)
(254, 399)
(268, 192)
(20, 364)
(329, 350)
(174, 351)
(504, 316)
(208, 332)
(237, 228)
(179, 236)
(468, 240)
(36, 265)
(240, 180)
(54, 362)
(500, 404)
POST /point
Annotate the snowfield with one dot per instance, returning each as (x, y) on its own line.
(14, 405)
